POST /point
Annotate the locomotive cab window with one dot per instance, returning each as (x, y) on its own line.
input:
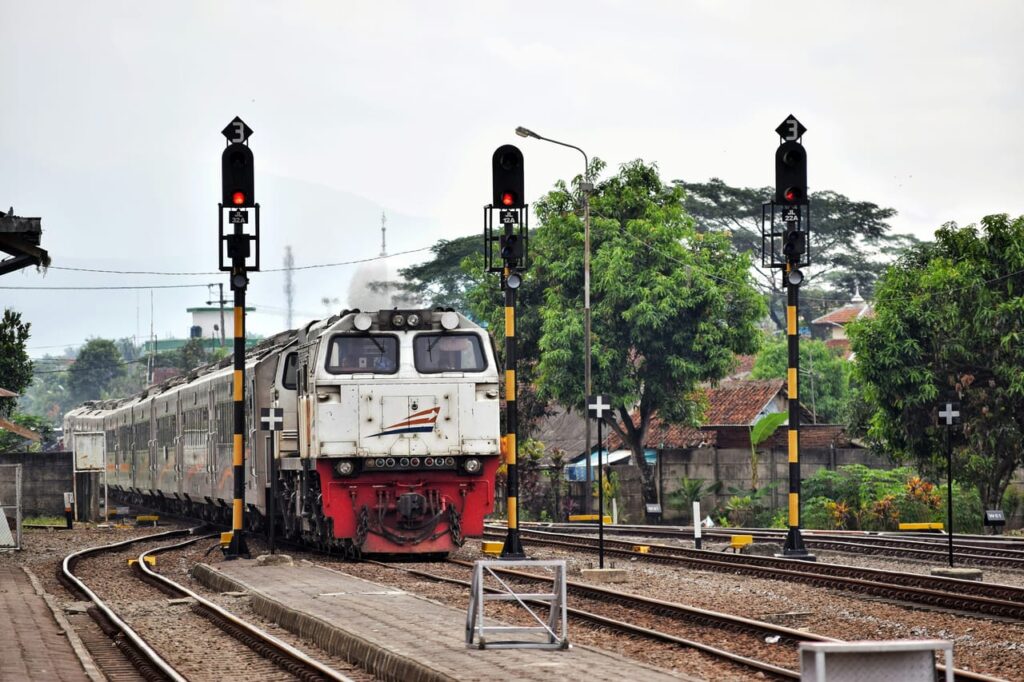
(289, 379)
(448, 353)
(376, 354)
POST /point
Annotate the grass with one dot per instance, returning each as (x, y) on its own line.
(44, 521)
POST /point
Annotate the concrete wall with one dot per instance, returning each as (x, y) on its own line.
(731, 466)
(45, 477)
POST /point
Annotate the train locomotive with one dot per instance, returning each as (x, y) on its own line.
(390, 442)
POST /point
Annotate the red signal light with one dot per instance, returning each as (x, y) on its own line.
(790, 195)
(238, 198)
(508, 199)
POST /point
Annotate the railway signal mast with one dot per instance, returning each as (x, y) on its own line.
(510, 263)
(239, 253)
(785, 244)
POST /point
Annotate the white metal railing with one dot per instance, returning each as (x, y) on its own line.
(549, 633)
(10, 488)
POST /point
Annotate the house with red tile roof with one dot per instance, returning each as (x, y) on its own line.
(831, 327)
(733, 407)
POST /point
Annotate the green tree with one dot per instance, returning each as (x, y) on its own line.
(15, 365)
(12, 442)
(47, 396)
(98, 364)
(949, 321)
(825, 380)
(670, 306)
(193, 354)
(486, 304)
(442, 281)
(851, 241)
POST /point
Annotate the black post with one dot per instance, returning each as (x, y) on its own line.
(513, 547)
(239, 250)
(600, 498)
(272, 503)
(949, 492)
(794, 546)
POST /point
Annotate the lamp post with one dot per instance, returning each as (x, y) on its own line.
(586, 187)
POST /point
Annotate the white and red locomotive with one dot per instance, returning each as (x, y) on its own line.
(390, 441)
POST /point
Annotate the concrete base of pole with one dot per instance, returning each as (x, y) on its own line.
(959, 573)
(796, 554)
(605, 575)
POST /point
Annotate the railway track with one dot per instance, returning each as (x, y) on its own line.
(174, 641)
(974, 552)
(749, 635)
(960, 595)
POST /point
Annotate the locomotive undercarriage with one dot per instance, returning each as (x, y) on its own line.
(404, 519)
(402, 514)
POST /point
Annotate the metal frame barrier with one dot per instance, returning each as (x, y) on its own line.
(902, 659)
(7, 540)
(554, 633)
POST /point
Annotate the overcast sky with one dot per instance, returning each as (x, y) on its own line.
(112, 111)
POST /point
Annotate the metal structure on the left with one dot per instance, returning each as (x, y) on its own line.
(10, 506)
(550, 632)
(239, 254)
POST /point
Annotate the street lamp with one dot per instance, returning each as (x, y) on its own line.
(586, 187)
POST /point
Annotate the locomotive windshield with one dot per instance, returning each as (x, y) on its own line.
(376, 354)
(448, 353)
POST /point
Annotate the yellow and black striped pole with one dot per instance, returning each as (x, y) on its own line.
(794, 546)
(239, 280)
(513, 548)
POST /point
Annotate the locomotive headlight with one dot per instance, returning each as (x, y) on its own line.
(362, 322)
(472, 465)
(345, 467)
(397, 320)
(413, 320)
(449, 320)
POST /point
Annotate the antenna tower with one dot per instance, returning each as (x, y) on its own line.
(289, 287)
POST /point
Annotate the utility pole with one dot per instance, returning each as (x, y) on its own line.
(220, 301)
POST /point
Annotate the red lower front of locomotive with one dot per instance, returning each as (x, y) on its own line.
(407, 512)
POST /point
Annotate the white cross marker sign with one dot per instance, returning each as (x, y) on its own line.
(597, 405)
(951, 413)
(271, 418)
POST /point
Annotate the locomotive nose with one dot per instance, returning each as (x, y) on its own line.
(411, 505)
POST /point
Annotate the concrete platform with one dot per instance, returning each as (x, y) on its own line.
(35, 646)
(399, 636)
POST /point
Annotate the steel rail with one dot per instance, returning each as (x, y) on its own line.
(152, 665)
(755, 626)
(282, 653)
(900, 585)
(996, 554)
(629, 628)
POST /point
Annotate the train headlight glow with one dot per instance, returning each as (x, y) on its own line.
(345, 467)
(472, 465)
(449, 320)
(413, 320)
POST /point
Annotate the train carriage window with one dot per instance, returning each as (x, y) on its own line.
(289, 379)
(351, 354)
(434, 353)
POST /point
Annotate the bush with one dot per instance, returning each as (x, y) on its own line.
(859, 498)
(814, 515)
